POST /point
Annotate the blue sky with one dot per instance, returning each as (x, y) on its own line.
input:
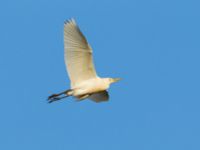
(153, 45)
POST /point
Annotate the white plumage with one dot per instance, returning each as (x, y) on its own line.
(80, 67)
(78, 54)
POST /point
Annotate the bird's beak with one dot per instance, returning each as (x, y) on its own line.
(116, 79)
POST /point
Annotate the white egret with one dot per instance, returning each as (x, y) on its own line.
(79, 63)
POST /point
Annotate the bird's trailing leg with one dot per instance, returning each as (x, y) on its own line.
(59, 96)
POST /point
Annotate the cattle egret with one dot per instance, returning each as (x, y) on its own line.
(85, 82)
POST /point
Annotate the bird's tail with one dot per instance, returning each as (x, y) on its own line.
(59, 96)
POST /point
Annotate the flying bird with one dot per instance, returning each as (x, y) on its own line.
(85, 83)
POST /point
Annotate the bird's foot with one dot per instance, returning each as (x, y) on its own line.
(55, 97)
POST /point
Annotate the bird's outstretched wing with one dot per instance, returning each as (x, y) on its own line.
(99, 97)
(78, 54)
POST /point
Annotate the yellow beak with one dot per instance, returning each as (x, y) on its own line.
(116, 79)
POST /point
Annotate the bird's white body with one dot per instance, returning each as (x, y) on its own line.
(85, 82)
(90, 86)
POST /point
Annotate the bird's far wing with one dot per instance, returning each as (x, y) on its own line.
(99, 97)
(78, 54)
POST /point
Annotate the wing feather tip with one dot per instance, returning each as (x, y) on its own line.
(70, 21)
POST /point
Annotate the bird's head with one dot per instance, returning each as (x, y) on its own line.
(113, 80)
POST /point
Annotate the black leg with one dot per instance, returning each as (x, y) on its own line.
(56, 97)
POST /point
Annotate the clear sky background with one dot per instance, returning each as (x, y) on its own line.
(153, 45)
